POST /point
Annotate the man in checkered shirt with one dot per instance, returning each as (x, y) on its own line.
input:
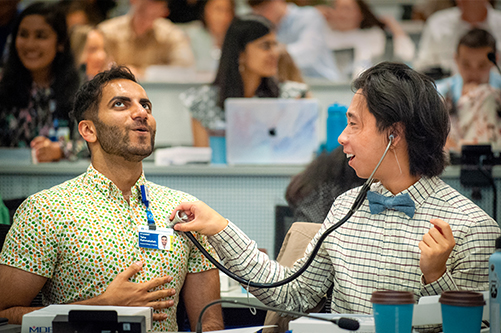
(443, 244)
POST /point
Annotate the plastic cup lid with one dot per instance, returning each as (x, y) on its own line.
(462, 298)
(392, 297)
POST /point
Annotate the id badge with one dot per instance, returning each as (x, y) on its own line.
(160, 239)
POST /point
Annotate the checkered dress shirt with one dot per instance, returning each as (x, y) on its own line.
(372, 252)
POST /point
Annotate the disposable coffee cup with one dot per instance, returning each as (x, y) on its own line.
(461, 311)
(392, 311)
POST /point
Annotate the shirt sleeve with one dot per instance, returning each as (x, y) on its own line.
(311, 43)
(467, 267)
(426, 57)
(404, 48)
(241, 256)
(31, 244)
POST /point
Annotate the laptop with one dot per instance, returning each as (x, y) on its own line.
(265, 131)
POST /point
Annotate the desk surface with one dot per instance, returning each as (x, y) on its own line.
(9, 167)
(237, 294)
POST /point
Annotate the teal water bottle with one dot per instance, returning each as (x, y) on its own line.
(494, 289)
(336, 123)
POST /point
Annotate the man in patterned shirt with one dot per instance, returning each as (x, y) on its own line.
(442, 244)
(78, 242)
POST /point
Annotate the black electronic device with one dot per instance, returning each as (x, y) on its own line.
(437, 73)
(90, 321)
(476, 171)
(476, 165)
(5, 327)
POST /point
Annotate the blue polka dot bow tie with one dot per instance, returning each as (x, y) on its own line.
(402, 203)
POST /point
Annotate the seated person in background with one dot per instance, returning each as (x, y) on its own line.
(38, 84)
(248, 68)
(443, 29)
(207, 37)
(87, 11)
(473, 96)
(310, 194)
(8, 14)
(302, 30)
(438, 241)
(80, 12)
(82, 247)
(89, 49)
(143, 37)
(352, 25)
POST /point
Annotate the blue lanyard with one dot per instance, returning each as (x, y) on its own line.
(145, 198)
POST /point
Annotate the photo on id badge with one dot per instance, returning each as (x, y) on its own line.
(160, 239)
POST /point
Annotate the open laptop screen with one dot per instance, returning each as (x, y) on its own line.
(271, 130)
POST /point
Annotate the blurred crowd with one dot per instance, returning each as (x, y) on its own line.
(263, 48)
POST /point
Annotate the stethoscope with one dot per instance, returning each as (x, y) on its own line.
(182, 217)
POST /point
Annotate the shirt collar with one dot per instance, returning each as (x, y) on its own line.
(419, 191)
(104, 185)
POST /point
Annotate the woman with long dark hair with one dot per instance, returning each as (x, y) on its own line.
(38, 83)
(247, 68)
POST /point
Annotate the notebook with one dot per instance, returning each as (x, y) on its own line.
(271, 130)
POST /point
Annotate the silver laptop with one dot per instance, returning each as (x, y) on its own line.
(271, 130)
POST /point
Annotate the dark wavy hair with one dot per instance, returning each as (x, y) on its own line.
(242, 31)
(395, 93)
(477, 38)
(16, 82)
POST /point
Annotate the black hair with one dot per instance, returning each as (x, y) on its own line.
(477, 38)
(16, 82)
(254, 3)
(394, 94)
(310, 194)
(89, 96)
(242, 31)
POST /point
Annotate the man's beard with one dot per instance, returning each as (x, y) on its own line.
(114, 142)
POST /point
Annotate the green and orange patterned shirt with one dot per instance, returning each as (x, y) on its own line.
(82, 233)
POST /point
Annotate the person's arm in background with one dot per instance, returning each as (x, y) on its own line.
(200, 134)
(426, 56)
(403, 46)
(200, 289)
(307, 50)
(46, 150)
(328, 13)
